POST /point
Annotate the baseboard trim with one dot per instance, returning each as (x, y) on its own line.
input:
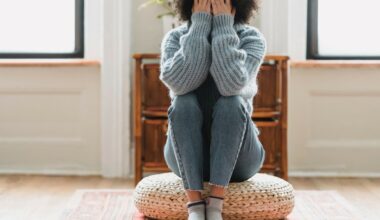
(333, 174)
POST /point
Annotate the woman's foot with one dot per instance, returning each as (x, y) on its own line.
(214, 206)
(196, 210)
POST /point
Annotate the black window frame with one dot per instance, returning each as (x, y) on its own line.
(312, 37)
(79, 41)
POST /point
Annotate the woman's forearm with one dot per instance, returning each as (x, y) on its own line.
(235, 61)
(185, 60)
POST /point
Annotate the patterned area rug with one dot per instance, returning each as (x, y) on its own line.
(101, 204)
(118, 204)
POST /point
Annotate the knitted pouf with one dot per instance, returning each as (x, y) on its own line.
(263, 196)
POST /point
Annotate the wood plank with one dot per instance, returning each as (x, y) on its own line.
(48, 62)
(335, 64)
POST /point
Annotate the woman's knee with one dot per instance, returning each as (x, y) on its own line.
(230, 106)
(185, 105)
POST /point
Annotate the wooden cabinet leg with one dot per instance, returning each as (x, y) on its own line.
(138, 161)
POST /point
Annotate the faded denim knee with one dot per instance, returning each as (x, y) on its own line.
(185, 107)
(230, 106)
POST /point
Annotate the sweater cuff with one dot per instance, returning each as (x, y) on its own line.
(222, 23)
(201, 23)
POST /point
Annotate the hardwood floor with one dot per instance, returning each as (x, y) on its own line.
(44, 197)
(362, 193)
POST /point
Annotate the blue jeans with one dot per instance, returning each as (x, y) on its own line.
(211, 138)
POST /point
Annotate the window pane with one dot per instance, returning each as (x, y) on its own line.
(37, 26)
(349, 27)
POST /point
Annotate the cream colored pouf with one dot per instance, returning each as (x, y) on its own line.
(263, 196)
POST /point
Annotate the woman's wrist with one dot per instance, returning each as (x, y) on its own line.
(201, 23)
(222, 23)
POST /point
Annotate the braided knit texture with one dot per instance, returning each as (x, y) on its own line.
(233, 57)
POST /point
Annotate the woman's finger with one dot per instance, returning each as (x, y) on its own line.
(206, 4)
(220, 3)
(213, 3)
(228, 5)
(216, 5)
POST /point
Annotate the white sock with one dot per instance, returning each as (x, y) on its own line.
(196, 210)
(214, 207)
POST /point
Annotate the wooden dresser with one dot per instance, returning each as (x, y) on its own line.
(151, 101)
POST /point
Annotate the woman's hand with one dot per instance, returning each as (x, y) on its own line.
(222, 7)
(201, 6)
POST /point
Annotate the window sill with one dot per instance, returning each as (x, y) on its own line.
(335, 64)
(48, 62)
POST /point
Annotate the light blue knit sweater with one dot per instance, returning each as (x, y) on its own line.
(232, 58)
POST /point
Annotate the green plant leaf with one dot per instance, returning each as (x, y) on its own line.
(166, 13)
(163, 3)
(147, 3)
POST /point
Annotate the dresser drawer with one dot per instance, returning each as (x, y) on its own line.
(155, 95)
(268, 96)
(154, 131)
(270, 138)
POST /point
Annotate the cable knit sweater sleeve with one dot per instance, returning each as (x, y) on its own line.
(186, 59)
(234, 60)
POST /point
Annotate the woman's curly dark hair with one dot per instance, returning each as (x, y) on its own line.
(245, 9)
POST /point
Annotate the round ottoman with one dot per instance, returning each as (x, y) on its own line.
(263, 196)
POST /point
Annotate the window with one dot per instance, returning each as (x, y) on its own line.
(41, 28)
(343, 29)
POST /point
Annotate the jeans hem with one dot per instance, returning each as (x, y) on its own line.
(197, 190)
(214, 184)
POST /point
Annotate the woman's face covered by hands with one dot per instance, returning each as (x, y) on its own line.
(214, 7)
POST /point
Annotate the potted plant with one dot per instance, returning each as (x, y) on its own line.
(169, 18)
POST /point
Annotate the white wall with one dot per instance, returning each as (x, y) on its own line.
(93, 29)
(284, 24)
(116, 85)
(297, 13)
(50, 119)
(334, 123)
(274, 25)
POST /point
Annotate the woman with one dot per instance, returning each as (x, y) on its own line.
(210, 66)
